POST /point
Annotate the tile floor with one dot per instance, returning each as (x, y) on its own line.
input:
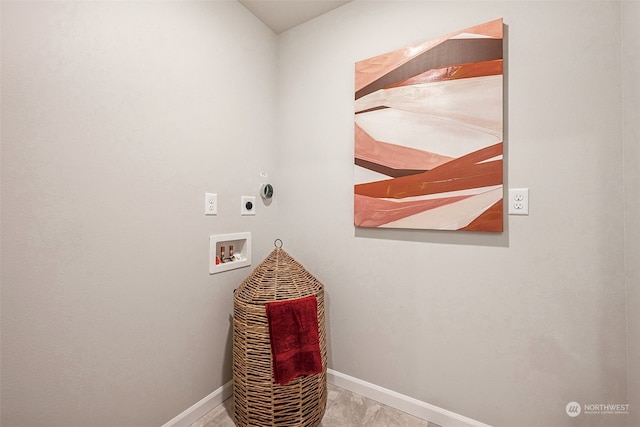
(344, 409)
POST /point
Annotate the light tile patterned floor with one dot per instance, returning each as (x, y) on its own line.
(344, 409)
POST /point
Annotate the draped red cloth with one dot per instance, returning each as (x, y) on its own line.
(295, 342)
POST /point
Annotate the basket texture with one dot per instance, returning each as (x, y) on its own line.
(258, 399)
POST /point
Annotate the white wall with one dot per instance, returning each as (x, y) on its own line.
(117, 117)
(631, 98)
(504, 328)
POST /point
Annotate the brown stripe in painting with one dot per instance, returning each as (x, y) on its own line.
(451, 52)
(382, 107)
(385, 170)
(454, 72)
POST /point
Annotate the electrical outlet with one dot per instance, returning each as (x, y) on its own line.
(247, 205)
(210, 204)
(518, 201)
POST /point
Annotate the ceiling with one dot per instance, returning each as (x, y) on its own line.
(281, 15)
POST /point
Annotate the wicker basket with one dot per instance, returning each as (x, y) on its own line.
(258, 399)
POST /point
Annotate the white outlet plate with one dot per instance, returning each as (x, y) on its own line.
(518, 201)
(210, 204)
(247, 205)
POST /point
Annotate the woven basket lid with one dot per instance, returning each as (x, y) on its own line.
(279, 277)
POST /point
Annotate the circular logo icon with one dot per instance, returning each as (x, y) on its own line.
(573, 409)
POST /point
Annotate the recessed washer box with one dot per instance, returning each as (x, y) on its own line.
(241, 243)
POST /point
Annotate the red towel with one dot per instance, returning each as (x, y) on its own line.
(295, 343)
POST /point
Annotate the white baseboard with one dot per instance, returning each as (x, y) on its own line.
(385, 396)
(200, 409)
(401, 402)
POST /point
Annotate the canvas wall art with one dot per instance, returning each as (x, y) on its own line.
(429, 134)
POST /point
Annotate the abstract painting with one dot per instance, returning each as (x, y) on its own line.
(429, 134)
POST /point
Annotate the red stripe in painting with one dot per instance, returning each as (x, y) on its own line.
(373, 212)
(489, 220)
(421, 185)
(459, 174)
(480, 155)
(394, 156)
